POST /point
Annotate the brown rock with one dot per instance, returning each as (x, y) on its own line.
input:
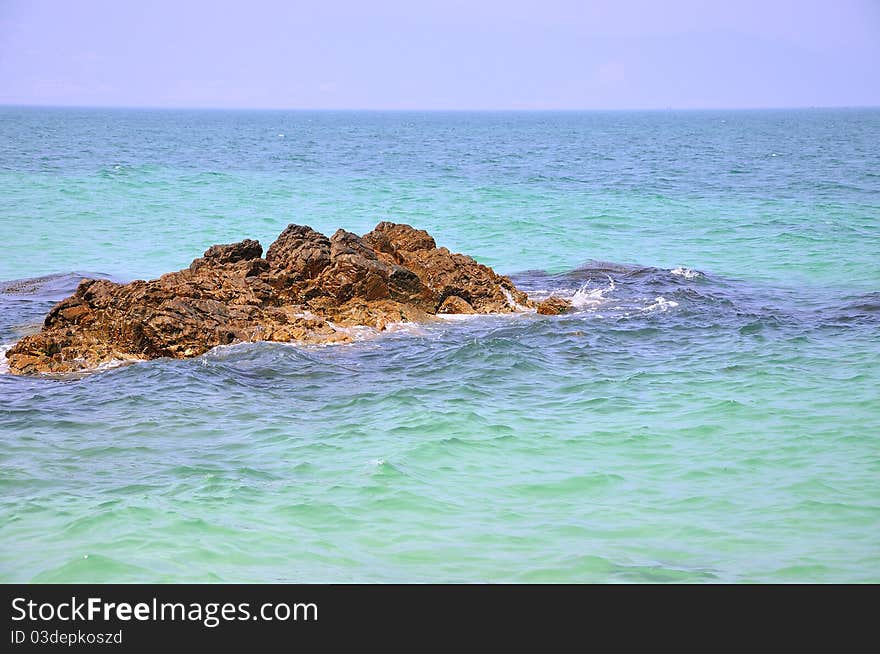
(553, 306)
(241, 251)
(300, 252)
(446, 273)
(454, 304)
(305, 290)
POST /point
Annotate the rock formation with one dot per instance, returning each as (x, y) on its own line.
(306, 287)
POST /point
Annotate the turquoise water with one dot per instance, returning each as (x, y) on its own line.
(710, 413)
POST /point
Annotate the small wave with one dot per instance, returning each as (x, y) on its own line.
(687, 273)
(414, 328)
(56, 285)
(365, 332)
(661, 304)
(114, 363)
(356, 332)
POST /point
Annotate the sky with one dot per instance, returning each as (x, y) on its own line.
(449, 54)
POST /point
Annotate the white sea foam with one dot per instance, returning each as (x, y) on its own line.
(589, 299)
(514, 304)
(661, 304)
(511, 302)
(357, 332)
(364, 332)
(220, 351)
(462, 316)
(413, 328)
(4, 362)
(687, 273)
(113, 363)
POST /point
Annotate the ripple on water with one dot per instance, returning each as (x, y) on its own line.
(682, 425)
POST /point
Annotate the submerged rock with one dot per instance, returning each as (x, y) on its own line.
(306, 286)
(553, 305)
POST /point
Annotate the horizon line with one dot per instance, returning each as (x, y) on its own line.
(5, 105)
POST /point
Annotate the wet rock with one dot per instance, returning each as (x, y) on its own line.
(553, 306)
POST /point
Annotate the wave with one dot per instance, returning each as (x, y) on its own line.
(687, 273)
(53, 287)
(604, 296)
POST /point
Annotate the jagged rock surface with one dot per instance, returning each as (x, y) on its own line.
(306, 287)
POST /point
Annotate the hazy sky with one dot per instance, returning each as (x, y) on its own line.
(451, 54)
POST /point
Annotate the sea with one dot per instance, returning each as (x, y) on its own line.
(709, 412)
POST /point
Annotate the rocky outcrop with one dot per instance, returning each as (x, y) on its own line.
(446, 274)
(304, 289)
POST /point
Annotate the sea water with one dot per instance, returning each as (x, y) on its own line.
(709, 412)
